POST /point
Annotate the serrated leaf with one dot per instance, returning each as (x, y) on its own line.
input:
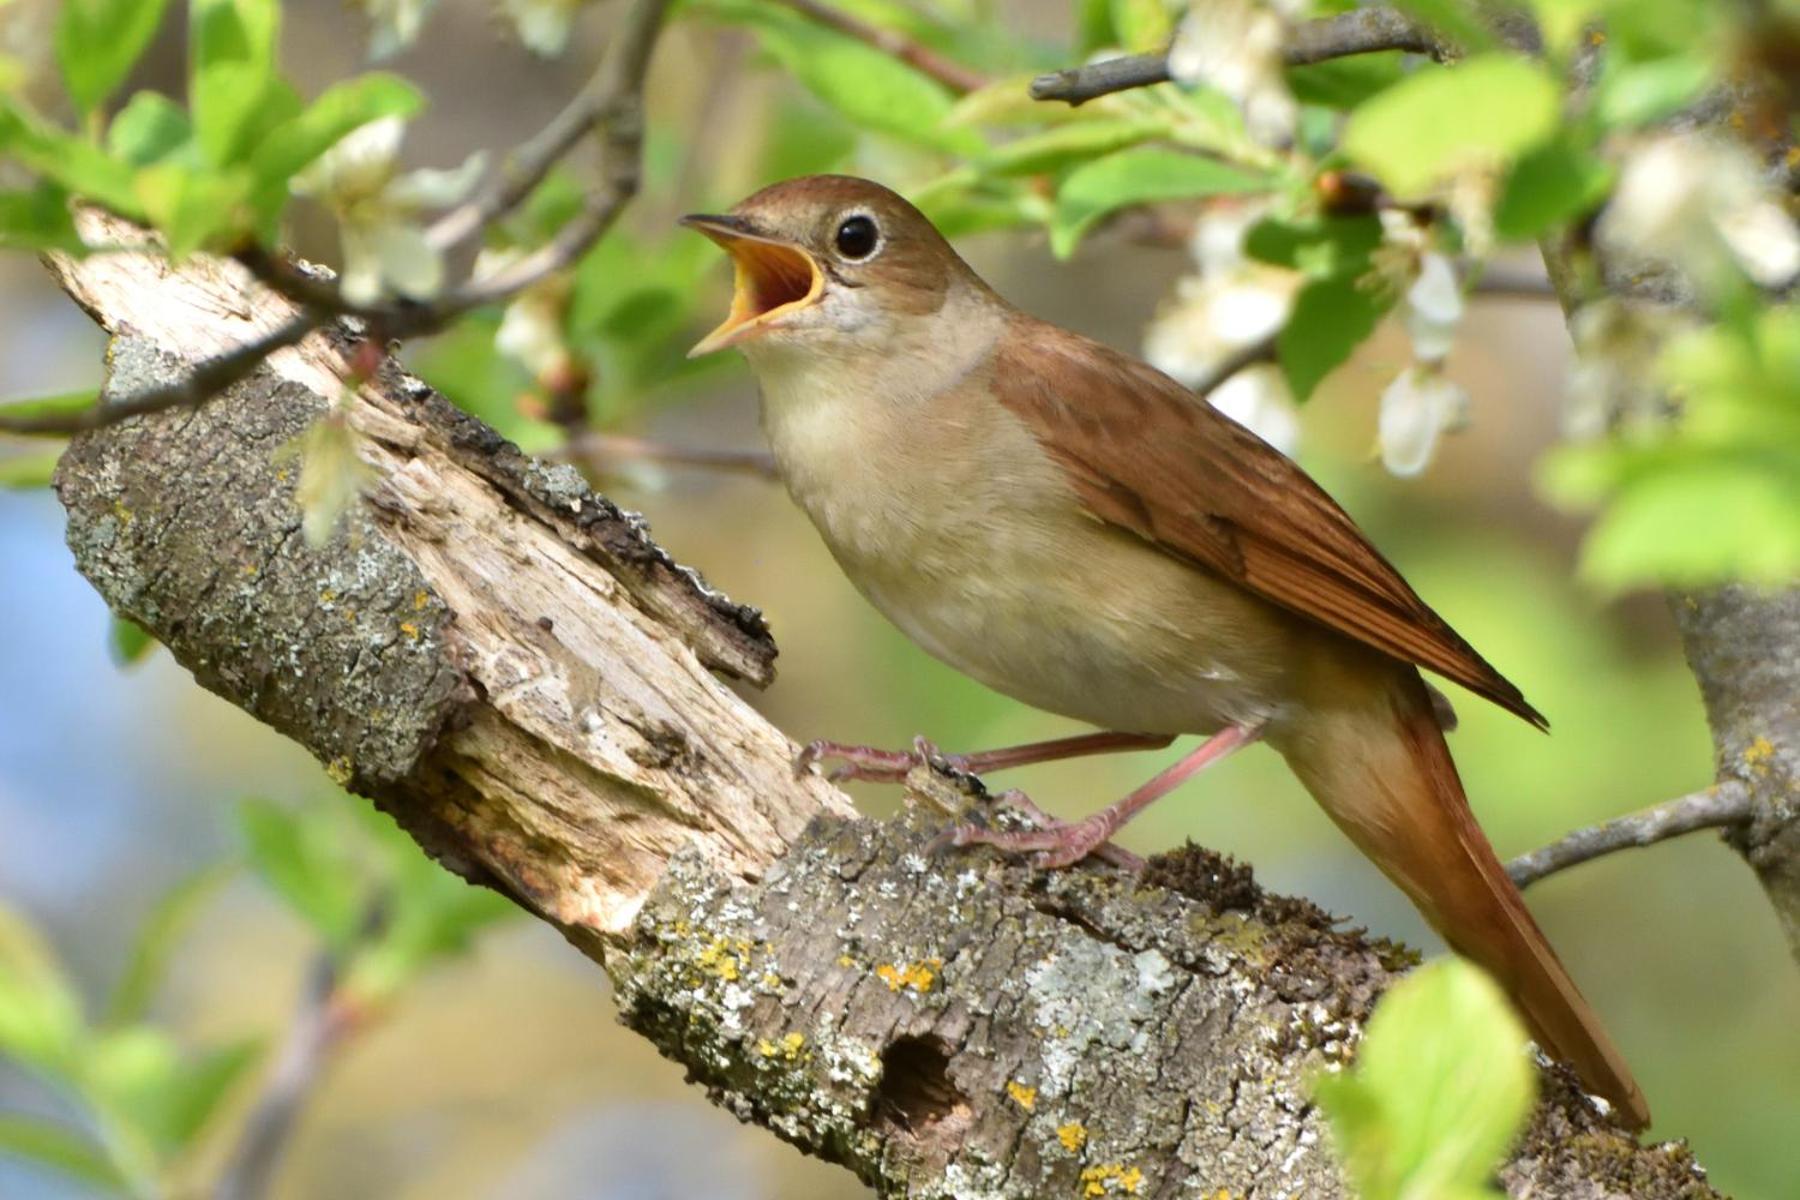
(1441, 121)
(1441, 1085)
(1332, 316)
(53, 1147)
(99, 41)
(149, 128)
(301, 856)
(166, 923)
(1548, 186)
(1142, 176)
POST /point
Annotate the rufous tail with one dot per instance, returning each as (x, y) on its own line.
(1384, 774)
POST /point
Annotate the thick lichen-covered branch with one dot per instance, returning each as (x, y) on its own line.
(507, 663)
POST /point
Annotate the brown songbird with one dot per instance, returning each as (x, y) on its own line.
(1078, 531)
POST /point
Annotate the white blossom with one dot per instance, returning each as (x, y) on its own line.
(531, 329)
(1417, 408)
(1232, 304)
(1236, 47)
(1698, 202)
(543, 25)
(1434, 308)
(1616, 349)
(377, 208)
(395, 24)
(1258, 398)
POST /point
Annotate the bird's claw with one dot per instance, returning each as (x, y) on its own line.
(872, 764)
(1052, 843)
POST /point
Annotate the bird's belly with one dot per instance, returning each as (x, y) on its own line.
(1112, 632)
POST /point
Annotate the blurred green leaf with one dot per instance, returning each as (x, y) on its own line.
(293, 145)
(191, 207)
(1553, 184)
(1456, 20)
(149, 128)
(1141, 176)
(64, 1151)
(186, 1102)
(38, 219)
(33, 469)
(1440, 121)
(99, 41)
(41, 1021)
(75, 163)
(1344, 83)
(1561, 21)
(167, 922)
(1441, 1086)
(1061, 146)
(1317, 244)
(129, 641)
(874, 90)
(232, 85)
(302, 856)
(1332, 316)
(1143, 25)
(62, 404)
(1094, 26)
(1629, 94)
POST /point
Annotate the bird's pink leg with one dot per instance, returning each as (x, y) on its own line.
(1062, 843)
(891, 766)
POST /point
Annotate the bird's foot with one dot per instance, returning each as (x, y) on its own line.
(875, 765)
(1052, 844)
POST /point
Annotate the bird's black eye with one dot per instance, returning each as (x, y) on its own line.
(857, 237)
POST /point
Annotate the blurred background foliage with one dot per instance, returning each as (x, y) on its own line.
(164, 938)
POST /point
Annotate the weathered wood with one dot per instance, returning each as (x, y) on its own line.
(508, 664)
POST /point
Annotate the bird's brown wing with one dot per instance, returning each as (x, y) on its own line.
(1144, 453)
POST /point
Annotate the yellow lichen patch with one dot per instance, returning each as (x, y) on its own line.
(249, 570)
(410, 630)
(122, 513)
(420, 599)
(918, 976)
(723, 959)
(1025, 1097)
(1111, 1179)
(1758, 754)
(340, 769)
(790, 1045)
(327, 596)
(1073, 1136)
(1223, 1194)
(771, 980)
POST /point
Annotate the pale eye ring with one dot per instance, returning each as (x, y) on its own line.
(857, 237)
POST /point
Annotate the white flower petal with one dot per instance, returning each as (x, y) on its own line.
(430, 188)
(1434, 307)
(1258, 398)
(361, 278)
(1763, 239)
(396, 24)
(1416, 408)
(531, 333)
(1247, 309)
(1236, 47)
(543, 25)
(410, 265)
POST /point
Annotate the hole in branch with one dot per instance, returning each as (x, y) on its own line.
(916, 1096)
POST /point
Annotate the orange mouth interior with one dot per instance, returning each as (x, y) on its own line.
(772, 279)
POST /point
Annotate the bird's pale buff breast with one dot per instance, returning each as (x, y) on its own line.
(945, 513)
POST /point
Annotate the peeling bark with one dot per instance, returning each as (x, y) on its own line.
(507, 663)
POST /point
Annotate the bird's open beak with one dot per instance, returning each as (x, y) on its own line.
(774, 277)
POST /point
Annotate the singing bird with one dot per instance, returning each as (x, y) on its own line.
(1078, 531)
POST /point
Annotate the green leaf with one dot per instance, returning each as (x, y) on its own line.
(62, 404)
(99, 41)
(150, 128)
(1629, 94)
(232, 85)
(64, 1151)
(33, 469)
(38, 219)
(1094, 26)
(129, 641)
(1318, 245)
(873, 90)
(75, 163)
(167, 922)
(243, 31)
(1442, 121)
(1441, 1086)
(192, 208)
(1079, 141)
(295, 143)
(1142, 176)
(1344, 83)
(1332, 316)
(41, 1022)
(1561, 21)
(1143, 25)
(303, 858)
(186, 1102)
(1553, 184)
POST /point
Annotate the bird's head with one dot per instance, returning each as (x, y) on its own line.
(828, 263)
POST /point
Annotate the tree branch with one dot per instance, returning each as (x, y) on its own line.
(1717, 807)
(505, 662)
(921, 58)
(1359, 31)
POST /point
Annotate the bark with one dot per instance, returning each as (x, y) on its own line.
(509, 665)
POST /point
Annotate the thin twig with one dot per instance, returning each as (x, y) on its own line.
(1360, 31)
(923, 59)
(602, 450)
(1260, 351)
(206, 380)
(1716, 807)
(614, 99)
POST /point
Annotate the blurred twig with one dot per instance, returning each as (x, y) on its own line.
(603, 451)
(610, 104)
(1715, 808)
(1260, 351)
(1360, 31)
(926, 61)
